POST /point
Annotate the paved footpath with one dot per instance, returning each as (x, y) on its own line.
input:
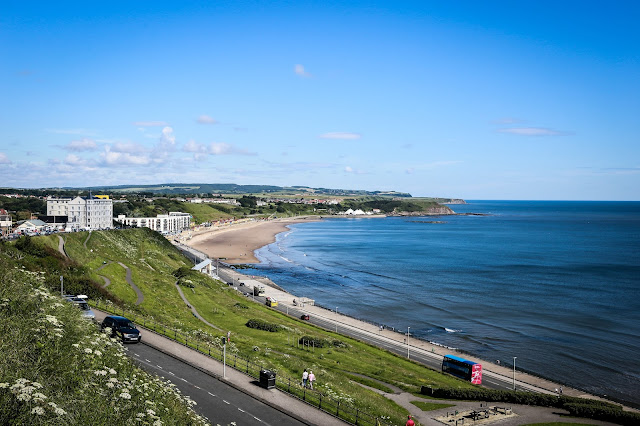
(273, 397)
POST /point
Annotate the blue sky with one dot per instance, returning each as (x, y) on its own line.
(477, 100)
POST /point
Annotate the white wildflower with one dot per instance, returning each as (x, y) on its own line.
(125, 395)
(60, 411)
(87, 350)
(38, 410)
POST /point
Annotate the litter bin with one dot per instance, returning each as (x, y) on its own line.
(267, 379)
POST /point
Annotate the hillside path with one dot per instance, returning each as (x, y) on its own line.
(132, 284)
(107, 281)
(61, 246)
(193, 310)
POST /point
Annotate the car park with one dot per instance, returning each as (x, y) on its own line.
(123, 328)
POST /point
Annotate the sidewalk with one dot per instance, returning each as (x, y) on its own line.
(275, 398)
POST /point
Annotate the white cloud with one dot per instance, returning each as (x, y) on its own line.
(531, 131)
(83, 144)
(220, 148)
(131, 148)
(167, 136)
(341, 135)
(114, 158)
(150, 123)
(193, 146)
(4, 159)
(299, 70)
(74, 160)
(205, 119)
(348, 169)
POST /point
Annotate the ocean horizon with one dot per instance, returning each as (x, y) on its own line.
(553, 283)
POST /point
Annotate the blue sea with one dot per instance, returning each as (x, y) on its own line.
(556, 284)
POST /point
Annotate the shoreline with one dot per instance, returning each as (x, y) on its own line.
(236, 243)
(235, 246)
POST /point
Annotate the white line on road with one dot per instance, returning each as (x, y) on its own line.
(210, 393)
(226, 402)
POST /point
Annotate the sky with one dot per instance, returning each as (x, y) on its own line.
(536, 100)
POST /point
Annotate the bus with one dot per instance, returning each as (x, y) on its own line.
(463, 368)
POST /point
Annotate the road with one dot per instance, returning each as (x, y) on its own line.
(219, 402)
(490, 379)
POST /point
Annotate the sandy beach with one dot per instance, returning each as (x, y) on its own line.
(237, 242)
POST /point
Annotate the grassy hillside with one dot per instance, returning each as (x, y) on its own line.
(153, 261)
(56, 368)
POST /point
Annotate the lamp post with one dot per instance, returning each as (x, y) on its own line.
(514, 372)
(408, 328)
(336, 319)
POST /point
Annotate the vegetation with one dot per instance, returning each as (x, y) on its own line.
(56, 367)
(153, 262)
(578, 407)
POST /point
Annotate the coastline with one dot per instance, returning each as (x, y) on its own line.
(236, 243)
(238, 247)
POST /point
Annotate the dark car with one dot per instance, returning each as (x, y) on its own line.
(122, 327)
(304, 317)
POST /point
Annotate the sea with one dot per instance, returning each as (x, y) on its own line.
(554, 283)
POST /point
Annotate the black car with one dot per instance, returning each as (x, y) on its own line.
(304, 317)
(123, 328)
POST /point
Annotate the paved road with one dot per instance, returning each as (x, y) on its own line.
(219, 402)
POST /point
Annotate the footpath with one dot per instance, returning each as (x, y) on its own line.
(242, 382)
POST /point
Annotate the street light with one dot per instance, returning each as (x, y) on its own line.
(408, 328)
(336, 319)
(514, 372)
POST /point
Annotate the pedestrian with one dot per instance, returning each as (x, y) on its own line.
(312, 378)
(410, 421)
(305, 377)
(560, 390)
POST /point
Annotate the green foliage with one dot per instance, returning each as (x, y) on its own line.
(57, 368)
(579, 407)
(263, 325)
(182, 272)
(318, 342)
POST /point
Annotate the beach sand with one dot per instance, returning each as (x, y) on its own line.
(236, 243)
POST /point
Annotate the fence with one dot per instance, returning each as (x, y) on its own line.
(292, 386)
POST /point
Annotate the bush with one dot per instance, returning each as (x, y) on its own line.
(182, 272)
(321, 343)
(579, 407)
(263, 325)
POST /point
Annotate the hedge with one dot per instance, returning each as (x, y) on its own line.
(579, 407)
(263, 325)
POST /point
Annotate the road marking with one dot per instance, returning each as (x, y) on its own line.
(210, 393)
(257, 419)
(240, 409)
(171, 373)
(149, 361)
(197, 387)
(160, 367)
(182, 379)
(226, 402)
(137, 355)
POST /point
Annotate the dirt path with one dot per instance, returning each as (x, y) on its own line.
(193, 310)
(131, 283)
(61, 246)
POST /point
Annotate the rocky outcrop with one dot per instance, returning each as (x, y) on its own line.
(438, 210)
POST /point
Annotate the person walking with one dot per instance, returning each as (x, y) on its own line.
(410, 421)
(305, 377)
(312, 378)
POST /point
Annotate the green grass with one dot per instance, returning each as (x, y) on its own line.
(56, 368)
(152, 260)
(430, 406)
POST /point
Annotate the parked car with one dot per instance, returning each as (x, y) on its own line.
(122, 327)
(81, 302)
(304, 317)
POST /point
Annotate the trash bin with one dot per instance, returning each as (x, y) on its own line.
(267, 379)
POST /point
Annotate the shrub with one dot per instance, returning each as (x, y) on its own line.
(263, 325)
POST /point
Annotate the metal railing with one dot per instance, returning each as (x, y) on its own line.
(292, 386)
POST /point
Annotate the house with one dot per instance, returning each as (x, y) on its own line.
(31, 226)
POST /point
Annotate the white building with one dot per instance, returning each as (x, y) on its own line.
(5, 221)
(94, 212)
(174, 221)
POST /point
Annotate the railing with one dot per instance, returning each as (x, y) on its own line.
(291, 386)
